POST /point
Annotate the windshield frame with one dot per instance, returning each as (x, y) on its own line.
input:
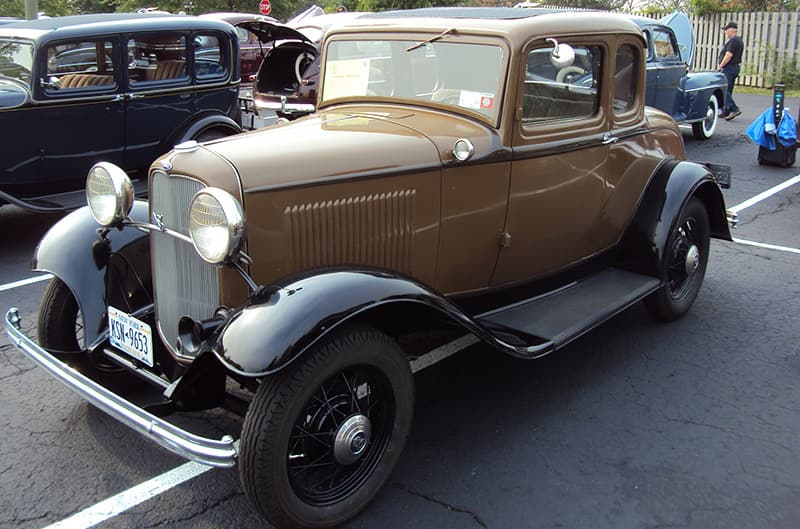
(410, 39)
(4, 41)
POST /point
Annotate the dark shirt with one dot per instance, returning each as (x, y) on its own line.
(736, 47)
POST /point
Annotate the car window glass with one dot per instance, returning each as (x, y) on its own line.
(157, 58)
(404, 69)
(244, 35)
(625, 77)
(208, 57)
(662, 46)
(553, 93)
(82, 65)
(16, 60)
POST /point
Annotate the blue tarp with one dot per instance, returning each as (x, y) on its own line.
(763, 130)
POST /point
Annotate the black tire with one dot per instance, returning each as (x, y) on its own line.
(296, 415)
(703, 130)
(60, 328)
(684, 266)
(60, 331)
(212, 134)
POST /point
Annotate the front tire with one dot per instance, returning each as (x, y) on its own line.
(703, 130)
(684, 265)
(322, 436)
(60, 326)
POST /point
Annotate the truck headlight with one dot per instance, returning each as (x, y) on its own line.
(109, 193)
(216, 224)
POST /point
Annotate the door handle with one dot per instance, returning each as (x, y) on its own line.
(609, 139)
(134, 96)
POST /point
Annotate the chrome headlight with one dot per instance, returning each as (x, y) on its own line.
(109, 193)
(216, 224)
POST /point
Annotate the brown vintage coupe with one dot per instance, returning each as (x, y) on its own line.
(454, 176)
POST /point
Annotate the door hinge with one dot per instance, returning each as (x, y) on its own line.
(505, 239)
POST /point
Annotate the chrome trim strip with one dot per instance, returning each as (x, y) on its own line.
(213, 452)
(284, 107)
(705, 88)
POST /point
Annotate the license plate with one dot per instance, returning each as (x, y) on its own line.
(130, 335)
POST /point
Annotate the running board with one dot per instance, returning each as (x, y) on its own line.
(67, 201)
(563, 315)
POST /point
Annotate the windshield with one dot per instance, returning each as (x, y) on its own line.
(16, 60)
(409, 70)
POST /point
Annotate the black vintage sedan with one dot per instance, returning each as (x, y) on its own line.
(123, 87)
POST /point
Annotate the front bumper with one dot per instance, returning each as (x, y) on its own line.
(213, 452)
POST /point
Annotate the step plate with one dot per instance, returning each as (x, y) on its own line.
(568, 313)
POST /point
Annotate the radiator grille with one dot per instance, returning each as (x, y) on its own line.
(184, 284)
(375, 230)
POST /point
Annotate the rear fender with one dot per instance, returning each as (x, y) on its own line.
(207, 122)
(87, 258)
(675, 182)
(282, 321)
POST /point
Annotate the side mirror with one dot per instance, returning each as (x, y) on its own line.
(562, 55)
(13, 94)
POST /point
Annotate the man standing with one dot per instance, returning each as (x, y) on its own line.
(730, 59)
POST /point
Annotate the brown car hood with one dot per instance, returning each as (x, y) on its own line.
(328, 146)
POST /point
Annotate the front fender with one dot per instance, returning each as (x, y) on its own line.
(280, 322)
(74, 251)
(644, 244)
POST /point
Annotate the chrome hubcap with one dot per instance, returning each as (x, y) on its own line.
(351, 439)
(692, 262)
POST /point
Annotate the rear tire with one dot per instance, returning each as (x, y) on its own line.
(322, 436)
(684, 265)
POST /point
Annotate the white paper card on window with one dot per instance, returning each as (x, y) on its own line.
(346, 78)
(476, 100)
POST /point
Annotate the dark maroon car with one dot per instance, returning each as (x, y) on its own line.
(251, 49)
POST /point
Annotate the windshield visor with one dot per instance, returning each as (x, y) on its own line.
(16, 60)
(465, 76)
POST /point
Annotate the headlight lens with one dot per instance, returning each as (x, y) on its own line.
(109, 193)
(216, 224)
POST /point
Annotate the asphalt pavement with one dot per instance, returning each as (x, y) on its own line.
(637, 424)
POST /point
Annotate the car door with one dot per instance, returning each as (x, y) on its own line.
(80, 118)
(558, 173)
(669, 68)
(159, 93)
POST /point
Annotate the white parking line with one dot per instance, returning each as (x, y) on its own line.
(766, 194)
(23, 282)
(132, 497)
(768, 246)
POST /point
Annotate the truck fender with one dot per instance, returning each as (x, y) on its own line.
(282, 321)
(75, 251)
(674, 183)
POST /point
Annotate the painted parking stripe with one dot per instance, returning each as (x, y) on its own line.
(768, 246)
(766, 194)
(23, 282)
(125, 500)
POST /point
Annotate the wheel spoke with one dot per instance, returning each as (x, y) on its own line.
(316, 437)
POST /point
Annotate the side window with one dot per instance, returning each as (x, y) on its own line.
(570, 92)
(663, 47)
(157, 58)
(243, 34)
(209, 57)
(85, 65)
(625, 77)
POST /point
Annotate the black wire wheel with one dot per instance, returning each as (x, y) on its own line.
(60, 326)
(684, 266)
(321, 437)
(60, 332)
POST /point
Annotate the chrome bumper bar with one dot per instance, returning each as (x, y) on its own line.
(213, 452)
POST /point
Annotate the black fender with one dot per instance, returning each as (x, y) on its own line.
(674, 183)
(206, 122)
(282, 321)
(88, 258)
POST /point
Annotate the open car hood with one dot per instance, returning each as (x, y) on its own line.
(271, 31)
(682, 27)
